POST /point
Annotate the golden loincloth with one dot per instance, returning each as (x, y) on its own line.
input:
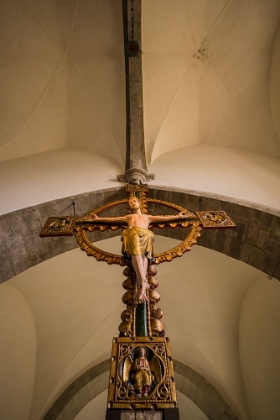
(138, 241)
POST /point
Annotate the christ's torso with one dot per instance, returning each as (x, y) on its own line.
(138, 220)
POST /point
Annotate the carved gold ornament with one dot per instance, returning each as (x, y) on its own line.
(59, 226)
(87, 246)
(141, 375)
(215, 219)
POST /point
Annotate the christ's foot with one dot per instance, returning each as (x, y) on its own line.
(141, 296)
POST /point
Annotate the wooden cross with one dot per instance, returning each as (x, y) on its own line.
(67, 225)
(141, 325)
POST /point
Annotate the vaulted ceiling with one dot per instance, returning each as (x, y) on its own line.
(211, 91)
(210, 73)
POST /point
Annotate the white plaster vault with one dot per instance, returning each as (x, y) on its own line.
(211, 92)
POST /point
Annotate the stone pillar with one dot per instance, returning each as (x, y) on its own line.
(135, 165)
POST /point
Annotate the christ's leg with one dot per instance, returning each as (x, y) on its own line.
(140, 265)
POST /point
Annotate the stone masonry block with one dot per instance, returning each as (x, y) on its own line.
(91, 392)
(229, 415)
(179, 381)
(127, 415)
(192, 391)
(221, 404)
(84, 396)
(140, 415)
(234, 240)
(77, 401)
(186, 387)
(153, 415)
(70, 411)
(241, 213)
(212, 394)
(252, 256)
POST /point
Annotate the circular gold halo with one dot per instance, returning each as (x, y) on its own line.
(165, 256)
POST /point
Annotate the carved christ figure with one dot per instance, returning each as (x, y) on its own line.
(138, 241)
(142, 374)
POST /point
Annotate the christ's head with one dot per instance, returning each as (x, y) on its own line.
(133, 203)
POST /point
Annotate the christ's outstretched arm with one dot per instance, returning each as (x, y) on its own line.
(171, 218)
(93, 218)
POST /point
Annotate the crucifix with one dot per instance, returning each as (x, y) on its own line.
(141, 331)
(141, 374)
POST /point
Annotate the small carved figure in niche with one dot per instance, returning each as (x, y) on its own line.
(140, 373)
(138, 241)
(143, 375)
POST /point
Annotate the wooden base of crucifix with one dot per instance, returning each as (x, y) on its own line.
(141, 374)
